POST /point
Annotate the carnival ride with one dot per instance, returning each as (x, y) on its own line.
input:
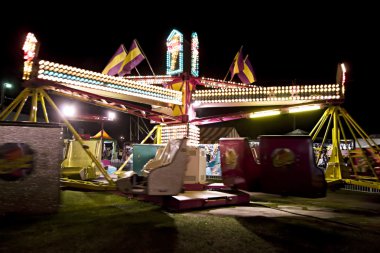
(171, 102)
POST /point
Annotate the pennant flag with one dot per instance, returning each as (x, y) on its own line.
(237, 63)
(116, 62)
(246, 74)
(133, 59)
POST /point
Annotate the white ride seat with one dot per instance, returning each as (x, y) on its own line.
(165, 173)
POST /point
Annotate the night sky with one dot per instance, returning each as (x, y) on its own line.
(285, 43)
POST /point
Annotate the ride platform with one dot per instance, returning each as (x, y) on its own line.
(206, 199)
(197, 199)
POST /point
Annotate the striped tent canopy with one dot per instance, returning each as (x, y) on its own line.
(211, 135)
(99, 135)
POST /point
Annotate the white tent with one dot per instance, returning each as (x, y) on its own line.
(298, 132)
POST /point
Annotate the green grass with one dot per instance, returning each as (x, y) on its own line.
(107, 222)
(87, 222)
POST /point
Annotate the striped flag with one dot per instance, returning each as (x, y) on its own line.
(246, 73)
(116, 62)
(237, 63)
(133, 59)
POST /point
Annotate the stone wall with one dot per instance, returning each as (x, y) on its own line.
(30, 157)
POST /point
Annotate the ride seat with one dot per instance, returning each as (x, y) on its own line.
(164, 155)
(164, 175)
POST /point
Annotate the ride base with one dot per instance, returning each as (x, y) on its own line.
(202, 196)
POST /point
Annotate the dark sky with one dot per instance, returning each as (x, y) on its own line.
(284, 42)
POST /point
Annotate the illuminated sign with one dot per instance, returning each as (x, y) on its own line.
(174, 54)
(29, 47)
(194, 54)
(30, 52)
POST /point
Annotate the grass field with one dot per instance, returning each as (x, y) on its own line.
(104, 222)
(108, 222)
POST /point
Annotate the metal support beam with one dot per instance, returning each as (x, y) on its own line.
(78, 138)
(336, 169)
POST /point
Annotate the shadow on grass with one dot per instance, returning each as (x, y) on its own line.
(345, 202)
(91, 222)
(301, 234)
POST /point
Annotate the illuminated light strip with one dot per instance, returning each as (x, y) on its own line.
(104, 88)
(103, 78)
(220, 83)
(150, 79)
(180, 131)
(80, 77)
(343, 75)
(28, 65)
(274, 93)
(303, 108)
(85, 78)
(264, 113)
(194, 54)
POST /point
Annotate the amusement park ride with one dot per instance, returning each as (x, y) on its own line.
(281, 164)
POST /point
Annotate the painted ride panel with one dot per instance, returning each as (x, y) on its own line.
(239, 169)
(285, 166)
(288, 166)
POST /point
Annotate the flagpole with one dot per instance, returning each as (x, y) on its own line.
(230, 65)
(138, 44)
(137, 71)
(226, 74)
